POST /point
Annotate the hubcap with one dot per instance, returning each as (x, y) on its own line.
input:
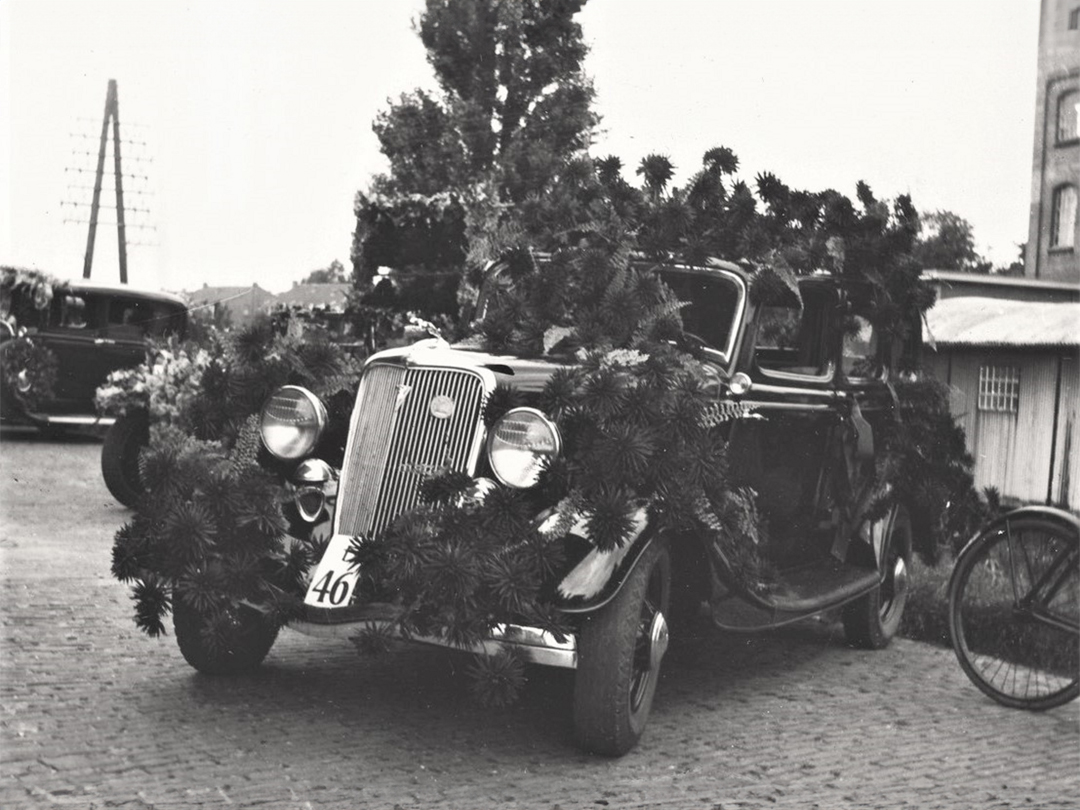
(658, 640)
(894, 589)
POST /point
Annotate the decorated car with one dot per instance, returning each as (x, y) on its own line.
(61, 340)
(534, 494)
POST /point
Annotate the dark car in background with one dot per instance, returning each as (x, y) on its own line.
(91, 329)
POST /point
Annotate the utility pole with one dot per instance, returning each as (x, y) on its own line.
(112, 113)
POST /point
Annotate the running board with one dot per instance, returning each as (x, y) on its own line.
(796, 594)
(73, 420)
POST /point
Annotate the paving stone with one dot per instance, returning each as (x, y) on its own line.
(94, 714)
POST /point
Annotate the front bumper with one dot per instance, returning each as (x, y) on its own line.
(535, 645)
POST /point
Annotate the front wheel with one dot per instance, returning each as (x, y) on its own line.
(230, 642)
(872, 620)
(126, 437)
(1014, 600)
(619, 653)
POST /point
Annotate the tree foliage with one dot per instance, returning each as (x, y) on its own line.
(513, 105)
(947, 242)
(333, 273)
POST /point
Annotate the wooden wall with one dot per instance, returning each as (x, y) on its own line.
(1025, 455)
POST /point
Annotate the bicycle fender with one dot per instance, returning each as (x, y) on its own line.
(1052, 513)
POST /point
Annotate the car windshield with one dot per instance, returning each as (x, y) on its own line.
(712, 300)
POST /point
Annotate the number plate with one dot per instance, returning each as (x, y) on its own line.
(335, 578)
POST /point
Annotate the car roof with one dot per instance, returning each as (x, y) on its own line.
(105, 288)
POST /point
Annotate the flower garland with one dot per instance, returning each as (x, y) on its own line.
(164, 385)
(29, 371)
(37, 285)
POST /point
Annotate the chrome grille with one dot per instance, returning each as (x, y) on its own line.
(396, 440)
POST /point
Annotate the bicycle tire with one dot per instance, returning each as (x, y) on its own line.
(1019, 661)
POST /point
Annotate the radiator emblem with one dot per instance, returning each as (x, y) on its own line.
(402, 392)
(441, 407)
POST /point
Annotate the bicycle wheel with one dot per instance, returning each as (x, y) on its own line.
(1014, 600)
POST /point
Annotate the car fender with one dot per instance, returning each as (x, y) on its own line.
(626, 560)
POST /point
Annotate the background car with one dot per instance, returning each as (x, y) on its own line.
(89, 329)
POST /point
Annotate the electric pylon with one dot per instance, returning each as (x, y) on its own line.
(112, 113)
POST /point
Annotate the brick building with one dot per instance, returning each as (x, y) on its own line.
(1053, 247)
(232, 306)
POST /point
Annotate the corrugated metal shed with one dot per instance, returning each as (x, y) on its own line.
(972, 321)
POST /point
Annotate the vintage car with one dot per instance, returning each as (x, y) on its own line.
(814, 373)
(91, 329)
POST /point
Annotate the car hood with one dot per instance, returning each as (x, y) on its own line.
(522, 373)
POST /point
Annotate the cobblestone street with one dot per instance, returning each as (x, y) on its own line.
(94, 714)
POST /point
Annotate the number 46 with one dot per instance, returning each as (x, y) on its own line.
(334, 593)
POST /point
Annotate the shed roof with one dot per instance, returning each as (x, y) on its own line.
(974, 321)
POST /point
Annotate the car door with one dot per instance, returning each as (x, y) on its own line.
(784, 456)
(128, 322)
(92, 333)
(71, 332)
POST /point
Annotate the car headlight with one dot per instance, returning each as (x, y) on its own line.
(291, 422)
(519, 444)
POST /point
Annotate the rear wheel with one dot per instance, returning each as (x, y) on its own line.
(232, 642)
(128, 435)
(872, 620)
(1014, 600)
(619, 654)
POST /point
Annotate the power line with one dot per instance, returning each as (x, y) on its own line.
(124, 141)
(127, 208)
(94, 172)
(136, 225)
(132, 159)
(139, 191)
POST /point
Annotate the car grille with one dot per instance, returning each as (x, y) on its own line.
(395, 440)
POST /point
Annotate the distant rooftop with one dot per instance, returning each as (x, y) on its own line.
(951, 283)
(331, 295)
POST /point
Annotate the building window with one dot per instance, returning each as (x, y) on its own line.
(1074, 19)
(1067, 112)
(999, 388)
(1063, 218)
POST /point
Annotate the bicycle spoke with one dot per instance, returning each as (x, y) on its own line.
(1013, 613)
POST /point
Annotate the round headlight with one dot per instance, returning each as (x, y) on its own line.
(519, 444)
(292, 422)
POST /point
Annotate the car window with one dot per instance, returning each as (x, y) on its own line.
(69, 311)
(793, 339)
(135, 318)
(128, 318)
(860, 347)
(167, 319)
(710, 302)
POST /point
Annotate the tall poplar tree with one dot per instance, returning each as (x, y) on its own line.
(512, 108)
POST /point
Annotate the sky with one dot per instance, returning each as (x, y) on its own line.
(247, 123)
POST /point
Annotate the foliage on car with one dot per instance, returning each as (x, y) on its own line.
(210, 529)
